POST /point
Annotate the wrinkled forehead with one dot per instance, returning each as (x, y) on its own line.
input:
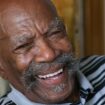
(15, 15)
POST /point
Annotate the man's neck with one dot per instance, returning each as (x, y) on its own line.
(75, 95)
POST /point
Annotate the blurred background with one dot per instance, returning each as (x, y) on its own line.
(85, 22)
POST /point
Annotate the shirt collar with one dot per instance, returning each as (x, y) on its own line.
(15, 95)
(85, 87)
(84, 83)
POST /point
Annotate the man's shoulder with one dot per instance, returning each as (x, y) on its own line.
(92, 63)
(6, 101)
(91, 58)
(93, 67)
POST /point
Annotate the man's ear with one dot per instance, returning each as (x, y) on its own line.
(2, 72)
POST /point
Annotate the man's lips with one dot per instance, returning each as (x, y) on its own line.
(51, 75)
(52, 79)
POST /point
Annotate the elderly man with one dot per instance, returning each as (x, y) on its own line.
(36, 58)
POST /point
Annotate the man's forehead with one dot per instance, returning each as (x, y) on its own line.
(10, 18)
(28, 5)
(7, 16)
(12, 14)
(55, 22)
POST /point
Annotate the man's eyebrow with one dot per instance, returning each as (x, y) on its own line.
(22, 38)
(57, 22)
(18, 37)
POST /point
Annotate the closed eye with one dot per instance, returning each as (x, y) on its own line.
(23, 48)
(53, 32)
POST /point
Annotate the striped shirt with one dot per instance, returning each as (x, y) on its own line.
(92, 85)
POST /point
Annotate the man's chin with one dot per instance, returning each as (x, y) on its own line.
(55, 98)
(52, 97)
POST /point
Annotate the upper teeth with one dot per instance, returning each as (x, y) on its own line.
(50, 75)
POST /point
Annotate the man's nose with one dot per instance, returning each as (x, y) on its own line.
(45, 52)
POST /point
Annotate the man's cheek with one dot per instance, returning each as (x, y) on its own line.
(28, 79)
(63, 45)
(21, 63)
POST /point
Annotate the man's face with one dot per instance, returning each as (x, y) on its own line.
(34, 54)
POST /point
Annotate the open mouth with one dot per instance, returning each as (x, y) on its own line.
(56, 79)
(53, 78)
(51, 75)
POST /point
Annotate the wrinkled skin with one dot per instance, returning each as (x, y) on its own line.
(29, 33)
